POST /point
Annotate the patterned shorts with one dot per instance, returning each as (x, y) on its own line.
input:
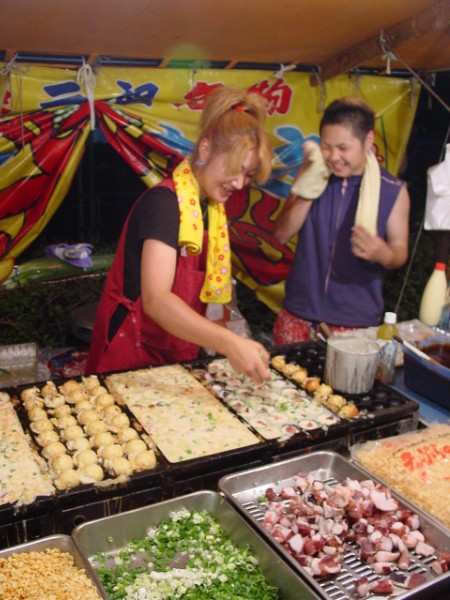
(289, 329)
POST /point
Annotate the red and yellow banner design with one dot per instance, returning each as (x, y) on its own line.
(150, 117)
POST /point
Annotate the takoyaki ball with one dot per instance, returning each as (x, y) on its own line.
(62, 411)
(62, 462)
(91, 473)
(35, 414)
(111, 451)
(66, 422)
(289, 369)
(41, 425)
(349, 411)
(300, 375)
(91, 382)
(103, 400)
(85, 457)
(335, 402)
(278, 362)
(311, 384)
(88, 416)
(120, 466)
(54, 449)
(120, 422)
(83, 406)
(54, 401)
(102, 439)
(67, 479)
(143, 460)
(95, 427)
(47, 437)
(135, 447)
(76, 396)
(29, 394)
(69, 386)
(111, 411)
(323, 390)
(127, 434)
(98, 391)
(78, 444)
(49, 389)
(72, 433)
(33, 402)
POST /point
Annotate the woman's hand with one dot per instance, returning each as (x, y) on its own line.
(248, 357)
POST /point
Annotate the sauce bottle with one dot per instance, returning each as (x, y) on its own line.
(388, 352)
(389, 328)
(434, 296)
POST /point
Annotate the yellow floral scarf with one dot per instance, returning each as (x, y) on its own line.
(217, 285)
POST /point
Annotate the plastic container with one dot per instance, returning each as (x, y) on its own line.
(428, 378)
(388, 353)
(434, 296)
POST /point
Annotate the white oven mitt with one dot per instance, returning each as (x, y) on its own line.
(313, 176)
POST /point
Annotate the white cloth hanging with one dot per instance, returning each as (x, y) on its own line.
(437, 208)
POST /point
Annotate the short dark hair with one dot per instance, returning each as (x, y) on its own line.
(351, 112)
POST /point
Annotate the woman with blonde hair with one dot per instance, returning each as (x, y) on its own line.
(173, 255)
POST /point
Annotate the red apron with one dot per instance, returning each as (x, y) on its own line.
(139, 341)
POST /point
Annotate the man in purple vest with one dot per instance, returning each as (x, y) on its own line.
(352, 220)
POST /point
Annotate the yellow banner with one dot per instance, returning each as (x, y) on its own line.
(163, 106)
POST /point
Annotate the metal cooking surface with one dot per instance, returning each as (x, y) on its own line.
(246, 489)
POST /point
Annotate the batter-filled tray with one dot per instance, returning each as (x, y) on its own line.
(185, 421)
(277, 408)
(349, 536)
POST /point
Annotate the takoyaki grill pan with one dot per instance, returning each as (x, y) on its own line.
(111, 486)
(381, 405)
(380, 408)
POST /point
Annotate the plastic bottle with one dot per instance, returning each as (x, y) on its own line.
(389, 328)
(388, 352)
(434, 296)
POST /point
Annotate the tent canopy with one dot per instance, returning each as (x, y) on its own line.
(330, 36)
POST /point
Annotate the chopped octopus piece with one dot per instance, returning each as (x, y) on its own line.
(382, 586)
(315, 521)
(382, 568)
(296, 543)
(440, 565)
(362, 586)
(424, 549)
(383, 501)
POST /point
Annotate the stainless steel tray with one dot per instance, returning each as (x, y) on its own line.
(64, 543)
(244, 488)
(95, 536)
